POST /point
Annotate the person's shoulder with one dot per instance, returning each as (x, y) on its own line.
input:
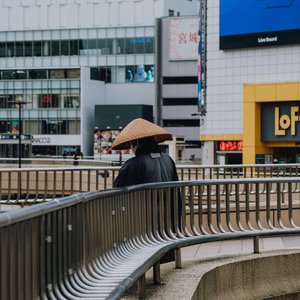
(130, 162)
(166, 156)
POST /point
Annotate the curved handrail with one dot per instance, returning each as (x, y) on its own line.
(87, 245)
(31, 185)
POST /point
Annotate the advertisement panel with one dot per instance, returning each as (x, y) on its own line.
(259, 23)
(103, 140)
(280, 121)
(183, 38)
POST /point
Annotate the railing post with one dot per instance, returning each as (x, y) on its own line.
(142, 287)
(156, 273)
(178, 262)
(256, 244)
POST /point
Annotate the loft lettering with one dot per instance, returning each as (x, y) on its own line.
(284, 122)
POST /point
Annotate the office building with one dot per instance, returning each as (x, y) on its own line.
(64, 57)
(252, 82)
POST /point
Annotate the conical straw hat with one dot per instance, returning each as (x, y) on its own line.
(139, 129)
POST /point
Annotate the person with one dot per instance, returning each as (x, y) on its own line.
(75, 162)
(149, 164)
(64, 155)
(79, 154)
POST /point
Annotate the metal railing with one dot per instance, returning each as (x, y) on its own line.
(97, 244)
(39, 184)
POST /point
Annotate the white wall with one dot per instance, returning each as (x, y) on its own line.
(56, 139)
(92, 92)
(59, 14)
(185, 7)
(52, 14)
(130, 93)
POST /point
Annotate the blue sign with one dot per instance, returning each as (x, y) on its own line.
(258, 23)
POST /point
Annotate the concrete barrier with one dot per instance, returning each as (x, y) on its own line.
(267, 277)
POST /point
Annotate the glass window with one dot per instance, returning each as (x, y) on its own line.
(37, 74)
(138, 44)
(83, 44)
(46, 48)
(92, 44)
(74, 47)
(149, 69)
(73, 73)
(120, 46)
(83, 47)
(28, 48)
(19, 49)
(71, 101)
(109, 46)
(57, 74)
(102, 46)
(54, 127)
(9, 74)
(64, 47)
(101, 43)
(129, 46)
(10, 49)
(5, 101)
(2, 49)
(149, 45)
(49, 101)
(94, 74)
(4, 126)
(20, 74)
(101, 73)
(37, 48)
(129, 74)
(54, 48)
(139, 73)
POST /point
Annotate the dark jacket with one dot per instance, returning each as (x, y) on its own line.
(149, 165)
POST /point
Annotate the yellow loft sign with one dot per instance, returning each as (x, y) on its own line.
(283, 122)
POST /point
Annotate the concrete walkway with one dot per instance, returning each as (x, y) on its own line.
(214, 249)
(180, 284)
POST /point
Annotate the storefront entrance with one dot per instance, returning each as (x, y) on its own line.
(287, 155)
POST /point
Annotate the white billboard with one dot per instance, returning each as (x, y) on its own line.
(183, 38)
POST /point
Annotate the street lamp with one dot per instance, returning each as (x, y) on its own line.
(20, 103)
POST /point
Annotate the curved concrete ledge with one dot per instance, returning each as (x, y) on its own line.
(254, 278)
(267, 275)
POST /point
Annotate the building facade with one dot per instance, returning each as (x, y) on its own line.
(252, 82)
(177, 82)
(64, 57)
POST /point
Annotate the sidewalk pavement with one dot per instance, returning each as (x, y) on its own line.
(238, 246)
(180, 284)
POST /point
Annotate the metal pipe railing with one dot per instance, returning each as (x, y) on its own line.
(33, 185)
(86, 245)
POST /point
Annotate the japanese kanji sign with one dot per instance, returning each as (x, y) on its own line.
(183, 38)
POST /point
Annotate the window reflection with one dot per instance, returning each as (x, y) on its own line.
(37, 48)
(133, 45)
(40, 74)
(71, 101)
(137, 73)
(54, 127)
(28, 48)
(49, 101)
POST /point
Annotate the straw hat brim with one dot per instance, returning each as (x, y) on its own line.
(139, 129)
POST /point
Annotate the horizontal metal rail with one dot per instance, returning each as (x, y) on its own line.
(34, 184)
(98, 244)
